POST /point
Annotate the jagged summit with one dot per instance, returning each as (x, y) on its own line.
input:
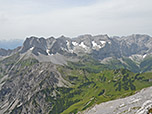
(81, 44)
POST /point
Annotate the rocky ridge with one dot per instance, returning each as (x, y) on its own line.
(99, 47)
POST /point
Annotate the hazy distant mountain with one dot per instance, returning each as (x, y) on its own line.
(10, 44)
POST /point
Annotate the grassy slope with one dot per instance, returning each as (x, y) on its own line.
(92, 65)
(96, 87)
(146, 65)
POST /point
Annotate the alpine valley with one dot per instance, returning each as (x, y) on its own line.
(85, 75)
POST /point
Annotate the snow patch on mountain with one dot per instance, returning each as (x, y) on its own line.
(103, 42)
(48, 52)
(31, 48)
(95, 45)
(109, 42)
(69, 47)
(144, 55)
(82, 45)
(75, 43)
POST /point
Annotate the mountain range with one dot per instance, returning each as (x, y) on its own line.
(10, 44)
(53, 75)
(127, 52)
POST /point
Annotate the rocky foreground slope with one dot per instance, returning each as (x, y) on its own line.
(140, 103)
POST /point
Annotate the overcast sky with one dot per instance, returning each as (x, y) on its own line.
(23, 18)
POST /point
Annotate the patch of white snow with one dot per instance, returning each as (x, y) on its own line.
(69, 48)
(48, 51)
(144, 55)
(31, 48)
(95, 44)
(83, 45)
(103, 42)
(75, 43)
(109, 42)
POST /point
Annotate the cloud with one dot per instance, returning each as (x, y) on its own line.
(112, 17)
